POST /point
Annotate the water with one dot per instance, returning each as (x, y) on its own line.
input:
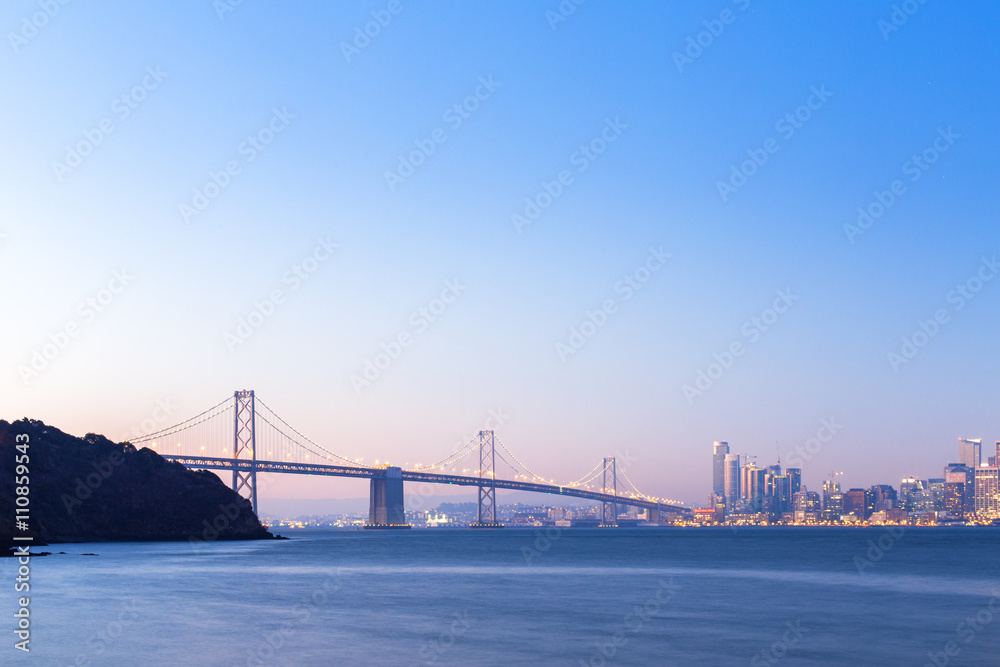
(517, 597)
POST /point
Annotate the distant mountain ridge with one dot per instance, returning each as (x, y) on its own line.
(92, 489)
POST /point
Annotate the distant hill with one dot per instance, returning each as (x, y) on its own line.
(91, 489)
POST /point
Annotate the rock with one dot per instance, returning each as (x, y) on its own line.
(91, 489)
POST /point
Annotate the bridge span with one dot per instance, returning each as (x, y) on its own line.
(389, 473)
(262, 442)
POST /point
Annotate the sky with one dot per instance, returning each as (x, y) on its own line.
(628, 227)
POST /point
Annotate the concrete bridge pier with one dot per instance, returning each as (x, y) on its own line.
(385, 510)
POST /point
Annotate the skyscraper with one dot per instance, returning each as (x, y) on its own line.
(970, 452)
(935, 486)
(753, 487)
(954, 496)
(805, 505)
(833, 501)
(719, 451)
(884, 498)
(732, 481)
(854, 503)
(987, 492)
(908, 490)
(794, 479)
(955, 472)
(781, 495)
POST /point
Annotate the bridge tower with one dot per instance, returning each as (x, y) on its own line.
(609, 511)
(245, 446)
(487, 515)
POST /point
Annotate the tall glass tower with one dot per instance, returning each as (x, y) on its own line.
(719, 451)
(732, 481)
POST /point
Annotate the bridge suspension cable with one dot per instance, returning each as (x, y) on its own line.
(583, 481)
(352, 462)
(451, 458)
(186, 424)
(645, 496)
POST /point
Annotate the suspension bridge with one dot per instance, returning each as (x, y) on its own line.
(244, 435)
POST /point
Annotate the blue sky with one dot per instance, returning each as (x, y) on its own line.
(554, 87)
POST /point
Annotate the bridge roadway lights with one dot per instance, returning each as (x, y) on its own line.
(386, 507)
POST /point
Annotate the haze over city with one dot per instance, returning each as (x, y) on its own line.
(564, 227)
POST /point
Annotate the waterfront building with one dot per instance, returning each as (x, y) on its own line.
(806, 506)
(954, 498)
(987, 501)
(936, 487)
(833, 501)
(854, 503)
(952, 471)
(908, 490)
(779, 499)
(890, 516)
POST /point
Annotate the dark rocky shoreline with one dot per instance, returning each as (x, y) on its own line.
(93, 490)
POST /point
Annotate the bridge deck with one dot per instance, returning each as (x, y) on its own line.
(210, 463)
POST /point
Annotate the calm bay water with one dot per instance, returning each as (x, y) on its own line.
(515, 596)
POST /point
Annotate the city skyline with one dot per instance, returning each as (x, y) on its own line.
(742, 491)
